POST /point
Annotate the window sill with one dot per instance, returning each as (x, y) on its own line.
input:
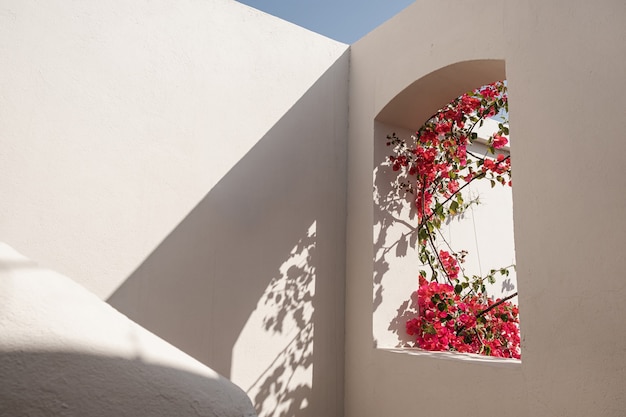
(455, 356)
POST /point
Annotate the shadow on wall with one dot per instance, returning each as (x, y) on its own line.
(73, 384)
(395, 240)
(259, 263)
(286, 314)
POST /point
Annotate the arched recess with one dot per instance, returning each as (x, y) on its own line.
(414, 104)
(395, 254)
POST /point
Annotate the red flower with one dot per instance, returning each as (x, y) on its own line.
(499, 141)
(450, 264)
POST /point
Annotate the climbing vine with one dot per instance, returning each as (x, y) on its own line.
(434, 167)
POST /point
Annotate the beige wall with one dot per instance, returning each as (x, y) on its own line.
(118, 118)
(186, 161)
(565, 65)
(400, 75)
(251, 280)
(566, 69)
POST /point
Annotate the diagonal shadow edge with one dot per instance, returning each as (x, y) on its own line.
(200, 285)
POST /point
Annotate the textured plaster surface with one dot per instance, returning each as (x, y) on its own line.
(119, 117)
(390, 68)
(185, 161)
(64, 352)
(564, 64)
(135, 147)
(566, 86)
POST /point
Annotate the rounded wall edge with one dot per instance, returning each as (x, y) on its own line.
(63, 351)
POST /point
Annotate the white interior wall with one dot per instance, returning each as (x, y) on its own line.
(118, 118)
(184, 161)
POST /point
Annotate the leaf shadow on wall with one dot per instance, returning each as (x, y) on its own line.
(395, 235)
(286, 311)
(211, 276)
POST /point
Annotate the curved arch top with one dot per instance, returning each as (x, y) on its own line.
(435, 48)
(413, 105)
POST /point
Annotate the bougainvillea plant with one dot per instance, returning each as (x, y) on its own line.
(433, 168)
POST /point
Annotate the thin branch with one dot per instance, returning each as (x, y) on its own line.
(423, 222)
(496, 304)
(432, 268)
(451, 250)
(432, 244)
(488, 309)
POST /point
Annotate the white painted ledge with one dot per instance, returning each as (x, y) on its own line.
(456, 356)
(63, 351)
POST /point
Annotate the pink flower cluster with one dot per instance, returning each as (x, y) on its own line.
(470, 324)
(434, 167)
(449, 264)
(437, 161)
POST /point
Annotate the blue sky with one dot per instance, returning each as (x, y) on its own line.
(343, 20)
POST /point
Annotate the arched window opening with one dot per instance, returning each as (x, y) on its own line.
(444, 276)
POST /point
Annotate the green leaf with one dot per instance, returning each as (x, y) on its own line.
(458, 288)
(493, 183)
(453, 207)
(423, 258)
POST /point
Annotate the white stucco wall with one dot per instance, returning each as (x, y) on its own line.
(566, 85)
(149, 151)
(186, 162)
(65, 352)
(118, 118)
(565, 66)
(403, 56)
